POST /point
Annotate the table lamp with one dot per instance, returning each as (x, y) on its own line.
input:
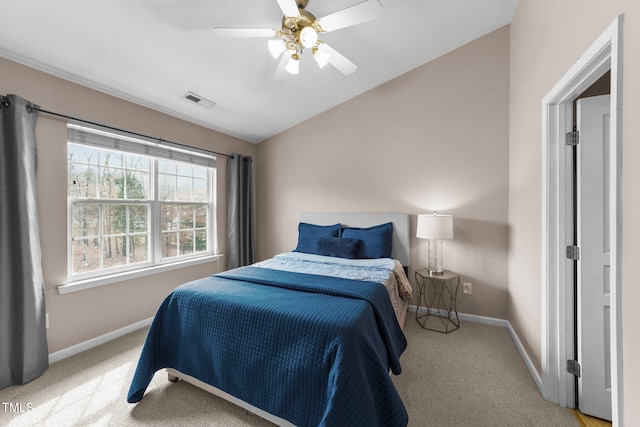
(435, 227)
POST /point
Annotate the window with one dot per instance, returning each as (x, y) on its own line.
(133, 203)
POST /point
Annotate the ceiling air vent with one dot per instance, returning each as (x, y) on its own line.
(203, 102)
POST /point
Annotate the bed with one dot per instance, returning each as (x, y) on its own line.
(305, 338)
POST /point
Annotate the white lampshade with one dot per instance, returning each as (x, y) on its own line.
(434, 226)
(276, 47)
(321, 55)
(293, 66)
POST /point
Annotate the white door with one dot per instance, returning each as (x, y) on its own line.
(593, 235)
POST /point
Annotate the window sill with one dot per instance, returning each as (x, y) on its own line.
(120, 277)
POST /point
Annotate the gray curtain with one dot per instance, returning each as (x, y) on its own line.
(24, 353)
(240, 238)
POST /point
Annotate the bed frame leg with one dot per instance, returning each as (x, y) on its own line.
(172, 378)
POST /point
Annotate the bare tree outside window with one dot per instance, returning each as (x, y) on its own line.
(112, 203)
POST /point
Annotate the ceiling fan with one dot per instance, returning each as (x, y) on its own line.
(300, 30)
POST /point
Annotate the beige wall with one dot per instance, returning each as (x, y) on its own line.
(547, 37)
(83, 315)
(432, 139)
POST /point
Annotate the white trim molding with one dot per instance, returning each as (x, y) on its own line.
(80, 285)
(94, 342)
(557, 299)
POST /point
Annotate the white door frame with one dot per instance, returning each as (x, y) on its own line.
(557, 331)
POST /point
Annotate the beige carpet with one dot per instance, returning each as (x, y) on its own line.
(471, 377)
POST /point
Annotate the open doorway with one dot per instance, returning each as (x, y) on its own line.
(559, 267)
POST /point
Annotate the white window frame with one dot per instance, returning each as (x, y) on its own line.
(166, 151)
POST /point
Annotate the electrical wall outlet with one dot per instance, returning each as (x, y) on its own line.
(466, 288)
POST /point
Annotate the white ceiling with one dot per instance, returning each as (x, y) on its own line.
(152, 52)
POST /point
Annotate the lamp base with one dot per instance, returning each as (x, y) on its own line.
(435, 266)
(435, 273)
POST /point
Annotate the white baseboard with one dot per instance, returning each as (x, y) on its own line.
(505, 324)
(94, 342)
(525, 356)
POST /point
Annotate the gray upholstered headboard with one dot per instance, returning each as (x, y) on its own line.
(401, 227)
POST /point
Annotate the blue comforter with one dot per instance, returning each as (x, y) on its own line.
(314, 350)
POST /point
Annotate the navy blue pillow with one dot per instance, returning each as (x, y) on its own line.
(338, 247)
(375, 242)
(308, 235)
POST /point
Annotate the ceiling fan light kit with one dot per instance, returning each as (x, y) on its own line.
(320, 54)
(300, 30)
(293, 66)
(308, 37)
(276, 47)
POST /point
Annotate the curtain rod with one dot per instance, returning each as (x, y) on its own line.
(33, 107)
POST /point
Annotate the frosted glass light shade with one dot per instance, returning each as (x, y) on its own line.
(321, 55)
(308, 37)
(293, 66)
(434, 226)
(276, 47)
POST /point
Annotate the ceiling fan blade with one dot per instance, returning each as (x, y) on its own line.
(289, 8)
(368, 10)
(338, 60)
(244, 32)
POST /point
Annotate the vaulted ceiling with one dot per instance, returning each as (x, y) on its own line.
(153, 52)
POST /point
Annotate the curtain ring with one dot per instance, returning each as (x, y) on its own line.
(6, 102)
